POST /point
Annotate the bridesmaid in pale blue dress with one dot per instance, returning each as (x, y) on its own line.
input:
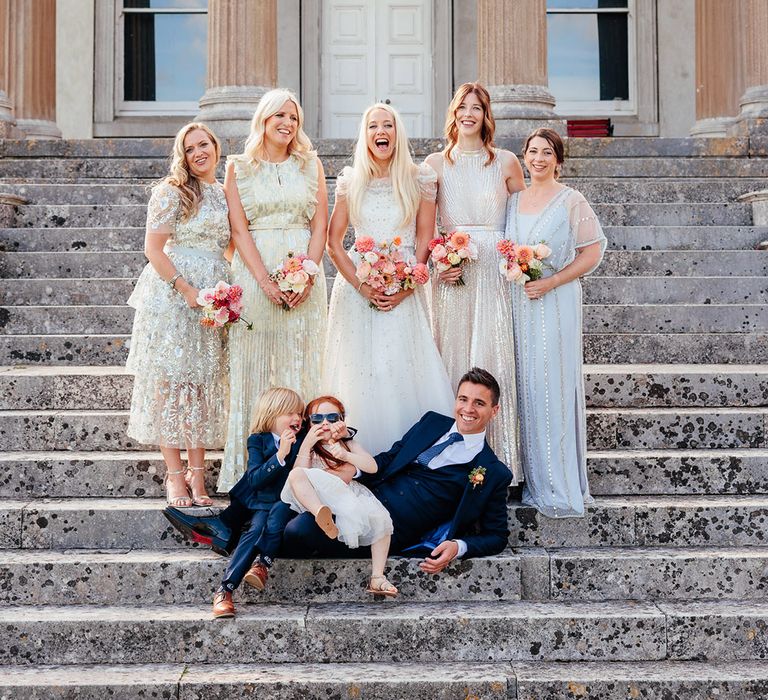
(548, 340)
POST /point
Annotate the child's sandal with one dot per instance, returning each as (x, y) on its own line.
(379, 585)
(324, 520)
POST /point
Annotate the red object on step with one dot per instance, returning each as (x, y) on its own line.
(200, 539)
(589, 128)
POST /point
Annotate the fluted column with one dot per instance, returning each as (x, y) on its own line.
(242, 62)
(7, 120)
(512, 63)
(719, 66)
(753, 104)
(33, 67)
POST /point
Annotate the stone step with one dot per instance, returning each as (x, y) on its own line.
(111, 215)
(616, 521)
(163, 577)
(126, 474)
(93, 239)
(616, 263)
(607, 428)
(595, 680)
(679, 237)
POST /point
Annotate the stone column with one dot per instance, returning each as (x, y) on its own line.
(242, 62)
(512, 63)
(753, 104)
(719, 66)
(7, 119)
(33, 68)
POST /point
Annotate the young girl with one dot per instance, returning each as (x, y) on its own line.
(322, 482)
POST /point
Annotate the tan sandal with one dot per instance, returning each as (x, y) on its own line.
(324, 520)
(379, 585)
(176, 501)
(198, 499)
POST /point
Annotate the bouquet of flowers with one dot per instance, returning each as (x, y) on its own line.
(222, 305)
(452, 251)
(522, 263)
(294, 274)
(385, 267)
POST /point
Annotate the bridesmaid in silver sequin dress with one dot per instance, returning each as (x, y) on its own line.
(472, 324)
(278, 204)
(548, 339)
(180, 387)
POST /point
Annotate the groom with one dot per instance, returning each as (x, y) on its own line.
(442, 484)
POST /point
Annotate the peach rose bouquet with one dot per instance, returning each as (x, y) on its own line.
(385, 267)
(454, 250)
(222, 305)
(294, 274)
(522, 263)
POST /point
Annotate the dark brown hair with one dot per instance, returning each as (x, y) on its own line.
(553, 139)
(318, 449)
(488, 128)
(483, 377)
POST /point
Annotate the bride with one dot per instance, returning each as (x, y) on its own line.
(380, 357)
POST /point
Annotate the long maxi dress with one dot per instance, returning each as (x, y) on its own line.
(285, 347)
(548, 345)
(473, 323)
(180, 386)
(383, 365)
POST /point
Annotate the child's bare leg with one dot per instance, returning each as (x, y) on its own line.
(379, 551)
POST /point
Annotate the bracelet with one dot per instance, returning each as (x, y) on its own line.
(360, 286)
(172, 281)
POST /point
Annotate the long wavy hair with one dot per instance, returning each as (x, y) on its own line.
(318, 449)
(272, 403)
(179, 176)
(488, 128)
(269, 105)
(402, 169)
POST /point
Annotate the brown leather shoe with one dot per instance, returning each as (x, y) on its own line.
(257, 576)
(223, 605)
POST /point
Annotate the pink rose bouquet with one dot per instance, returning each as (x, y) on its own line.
(522, 263)
(454, 250)
(294, 274)
(385, 267)
(222, 305)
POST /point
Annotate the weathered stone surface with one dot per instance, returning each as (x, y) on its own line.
(71, 239)
(72, 264)
(674, 290)
(635, 573)
(64, 349)
(684, 237)
(722, 631)
(657, 318)
(10, 523)
(534, 572)
(65, 292)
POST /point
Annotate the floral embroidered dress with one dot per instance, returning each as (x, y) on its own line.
(180, 388)
(384, 366)
(548, 347)
(285, 347)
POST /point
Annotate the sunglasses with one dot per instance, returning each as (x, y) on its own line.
(317, 418)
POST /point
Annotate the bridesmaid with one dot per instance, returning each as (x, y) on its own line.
(472, 324)
(180, 387)
(548, 341)
(383, 361)
(277, 204)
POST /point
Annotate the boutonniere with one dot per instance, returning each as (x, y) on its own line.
(477, 476)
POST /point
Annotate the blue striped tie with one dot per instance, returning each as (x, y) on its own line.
(431, 452)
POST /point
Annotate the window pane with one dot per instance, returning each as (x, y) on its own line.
(159, 67)
(588, 57)
(584, 4)
(166, 4)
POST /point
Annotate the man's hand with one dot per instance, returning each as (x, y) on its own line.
(441, 556)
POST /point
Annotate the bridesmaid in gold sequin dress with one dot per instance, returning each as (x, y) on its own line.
(472, 324)
(278, 204)
(180, 387)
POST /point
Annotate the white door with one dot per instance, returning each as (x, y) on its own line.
(376, 50)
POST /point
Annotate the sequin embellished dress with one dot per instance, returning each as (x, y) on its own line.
(384, 366)
(180, 387)
(285, 347)
(473, 323)
(548, 346)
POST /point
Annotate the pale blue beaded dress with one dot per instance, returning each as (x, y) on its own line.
(548, 350)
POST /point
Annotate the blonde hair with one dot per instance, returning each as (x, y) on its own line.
(402, 170)
(488, 128)
(269, 105)
(271, 403)
(179, 176)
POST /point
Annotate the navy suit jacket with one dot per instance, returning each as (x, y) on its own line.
(481, 515)
(259, 488)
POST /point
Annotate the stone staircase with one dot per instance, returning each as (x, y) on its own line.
(661, 591)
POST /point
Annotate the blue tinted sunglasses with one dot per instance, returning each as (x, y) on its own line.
(317, 418)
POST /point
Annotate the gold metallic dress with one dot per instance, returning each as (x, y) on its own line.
(180, 367)
(285, 347)
(472, 324)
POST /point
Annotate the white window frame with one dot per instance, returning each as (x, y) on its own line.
(606, 108)
(133, 108)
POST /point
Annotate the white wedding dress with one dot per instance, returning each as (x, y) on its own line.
(384, 366)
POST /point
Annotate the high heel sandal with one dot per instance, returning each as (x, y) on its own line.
(379, 585)
(198, 499)
(176, 501)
